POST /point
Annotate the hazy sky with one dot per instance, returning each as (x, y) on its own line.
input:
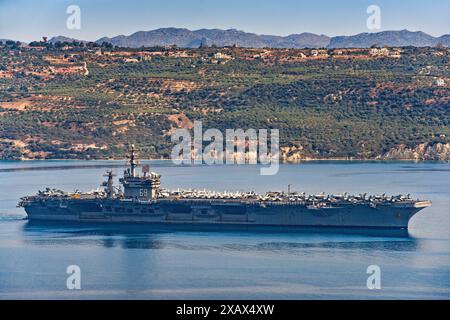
(27, 20)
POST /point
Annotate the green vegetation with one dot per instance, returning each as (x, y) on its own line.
(353, 106)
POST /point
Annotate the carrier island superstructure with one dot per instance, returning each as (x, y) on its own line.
(142, 200)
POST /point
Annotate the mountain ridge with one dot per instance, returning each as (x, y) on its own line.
(186, 38)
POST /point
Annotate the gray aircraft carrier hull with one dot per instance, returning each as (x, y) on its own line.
(223, 212)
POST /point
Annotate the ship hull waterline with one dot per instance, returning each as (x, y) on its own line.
(224, 213)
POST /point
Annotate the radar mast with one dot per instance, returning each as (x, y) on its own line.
(133, 161)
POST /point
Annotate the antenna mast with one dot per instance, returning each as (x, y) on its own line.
(133, 161)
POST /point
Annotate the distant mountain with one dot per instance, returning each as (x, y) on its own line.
(386, 38)
(444, 40)
(185, 38)
(192, 39)
(64, 39)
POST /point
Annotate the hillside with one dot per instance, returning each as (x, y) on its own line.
(185, 38)
(89, 102)
(387, 38)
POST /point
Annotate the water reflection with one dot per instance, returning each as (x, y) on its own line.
(214, 237)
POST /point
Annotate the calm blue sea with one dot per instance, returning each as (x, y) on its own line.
(155, 262)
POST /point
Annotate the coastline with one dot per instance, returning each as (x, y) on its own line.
(281, 161)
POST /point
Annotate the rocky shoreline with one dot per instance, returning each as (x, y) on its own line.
(421, 152)
(433, 151)
(424, 151)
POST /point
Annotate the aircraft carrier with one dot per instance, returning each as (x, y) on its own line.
(142, 200)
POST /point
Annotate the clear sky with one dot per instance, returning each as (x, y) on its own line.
(27, 20)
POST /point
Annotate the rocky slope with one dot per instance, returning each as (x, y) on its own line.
(424, 151)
